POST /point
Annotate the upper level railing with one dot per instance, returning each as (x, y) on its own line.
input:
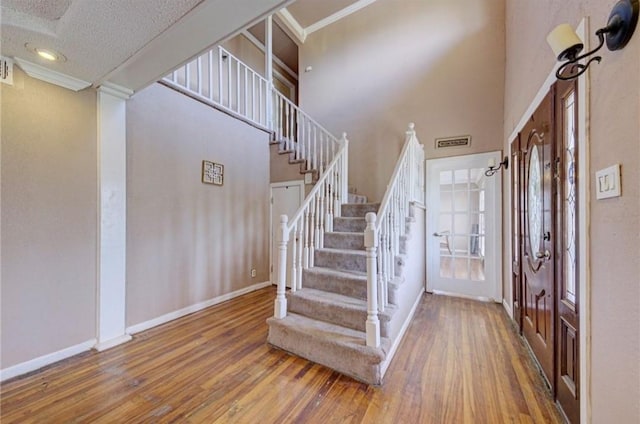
(384, 230)
(219, 78)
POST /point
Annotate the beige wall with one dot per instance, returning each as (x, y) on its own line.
(439, 64)
(614, 238)
(188, 242)
(49, 218)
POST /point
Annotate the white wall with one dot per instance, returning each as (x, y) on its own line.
(49, 219)
(188, 242)
(438, 63)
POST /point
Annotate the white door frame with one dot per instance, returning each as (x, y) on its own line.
(495, 220)
(299, 183)
(584, 190)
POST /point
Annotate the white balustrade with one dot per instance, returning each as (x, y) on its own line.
(219, 78)
(304, 233)
(406, 186)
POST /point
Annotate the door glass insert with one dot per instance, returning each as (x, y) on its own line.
(534, 200)
(461, 230)
(569, 182)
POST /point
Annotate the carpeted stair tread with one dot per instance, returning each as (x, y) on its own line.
(343, 259)
(336, 347)
(349, 224)
(348, 283)
(344, 239)
(335, 308)
(358, 209)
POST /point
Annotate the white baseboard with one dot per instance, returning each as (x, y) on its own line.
(194, 308)
(108, 344)
(398, 340)
(45, 360)
(507, 308)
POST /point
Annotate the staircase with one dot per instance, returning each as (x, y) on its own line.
(326, 318)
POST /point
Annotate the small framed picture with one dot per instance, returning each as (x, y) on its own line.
(212, 173)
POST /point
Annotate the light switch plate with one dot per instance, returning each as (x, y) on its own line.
(308, 178)
(608, 182)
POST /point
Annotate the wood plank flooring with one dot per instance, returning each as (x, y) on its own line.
(460, 362)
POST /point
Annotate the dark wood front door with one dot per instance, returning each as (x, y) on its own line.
(516, 231)
(538, 289)
(567, 309)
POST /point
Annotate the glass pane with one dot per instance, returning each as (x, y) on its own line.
(446, 180)
(446, 200)
(461, 268)
(461, 199)
(534, 201)
(461, 177)
(474, 200)
(569, 262)
(461, 246)
(446, 267)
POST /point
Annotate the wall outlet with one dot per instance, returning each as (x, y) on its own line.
(253, 273)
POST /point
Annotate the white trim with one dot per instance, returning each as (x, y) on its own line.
(398, 340)
(52, 77)
(353, 8)
(292, 24)
(276, 59)
(112, 218)
(43, 361)
(116, 90)
(507, 308)
(464, 296)
(137, 328)
(583, 210)
(584, 192)
(100, 347)
(299, 183)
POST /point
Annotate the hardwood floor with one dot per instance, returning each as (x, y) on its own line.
(460, 362)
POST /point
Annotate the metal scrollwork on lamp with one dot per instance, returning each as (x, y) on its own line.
(566, 44)
(493, 168)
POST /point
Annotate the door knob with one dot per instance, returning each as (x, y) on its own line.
(543, 255)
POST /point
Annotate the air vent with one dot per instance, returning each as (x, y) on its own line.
(6, 70)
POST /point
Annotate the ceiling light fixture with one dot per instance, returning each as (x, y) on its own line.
(47, 54)
(566, 44)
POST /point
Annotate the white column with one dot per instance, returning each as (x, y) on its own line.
(268, 66)
(112, 191)
(371, 244)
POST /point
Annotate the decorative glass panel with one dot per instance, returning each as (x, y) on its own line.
(570, 156)
(534, 201)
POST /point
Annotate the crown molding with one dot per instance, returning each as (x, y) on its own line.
(337, 16)
(115, 90)
(292, 24)
(50, 76)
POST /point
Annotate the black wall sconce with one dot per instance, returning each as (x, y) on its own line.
(567, 45)
(493, 168)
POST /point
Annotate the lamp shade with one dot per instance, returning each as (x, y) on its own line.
(564, 42)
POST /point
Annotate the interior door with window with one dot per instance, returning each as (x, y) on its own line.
(538, 246)
(464, 227)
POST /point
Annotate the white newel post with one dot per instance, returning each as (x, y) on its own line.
(371, 244)
(412, 161)
(344, 190)
(283, 238)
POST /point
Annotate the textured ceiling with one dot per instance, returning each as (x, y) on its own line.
(96, 36)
